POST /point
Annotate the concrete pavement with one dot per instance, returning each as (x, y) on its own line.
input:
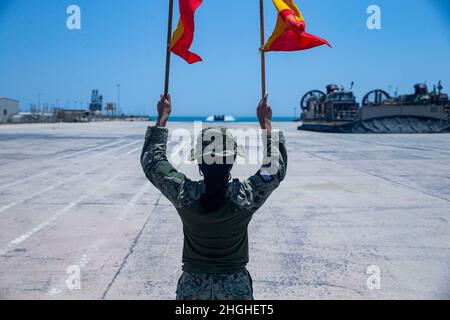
(74, 194)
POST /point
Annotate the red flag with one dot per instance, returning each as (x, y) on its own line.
(289, 33)
(184, 34)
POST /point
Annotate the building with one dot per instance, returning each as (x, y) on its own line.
(111, 109)
(96, 104)
(65, 115)
(8, 108)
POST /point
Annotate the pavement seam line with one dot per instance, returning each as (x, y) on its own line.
(133, 245)
(8, 247)
(59, 288)
(381, 177)
(75, 177)
(130, 250)
(52, 170)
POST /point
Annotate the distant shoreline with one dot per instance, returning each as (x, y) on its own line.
(238, 119)
(152, 119)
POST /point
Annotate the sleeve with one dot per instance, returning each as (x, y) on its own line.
(159, 171)
(255, 191)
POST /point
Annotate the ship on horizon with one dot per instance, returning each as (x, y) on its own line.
(220, 118)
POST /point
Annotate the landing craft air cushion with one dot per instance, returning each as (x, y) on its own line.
(338, 112)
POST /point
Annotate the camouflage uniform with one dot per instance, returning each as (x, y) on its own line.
(203, 286)
(215, 251)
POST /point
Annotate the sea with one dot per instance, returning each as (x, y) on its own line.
(238, 119)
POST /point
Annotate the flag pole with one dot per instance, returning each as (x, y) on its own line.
(168, 53)
(263, 55)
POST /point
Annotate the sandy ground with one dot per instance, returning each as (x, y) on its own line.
(74, 194)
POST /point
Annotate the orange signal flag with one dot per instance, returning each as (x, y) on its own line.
(183, 36)
(289, 33)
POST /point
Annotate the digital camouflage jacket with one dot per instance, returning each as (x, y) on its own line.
(214, 242)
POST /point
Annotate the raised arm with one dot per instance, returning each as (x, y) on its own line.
(164, 108)
(255, 191)
(157, 168)
(264, 114)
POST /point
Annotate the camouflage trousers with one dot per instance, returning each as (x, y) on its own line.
(197, 286)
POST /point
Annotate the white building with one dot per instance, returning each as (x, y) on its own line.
(8, 108)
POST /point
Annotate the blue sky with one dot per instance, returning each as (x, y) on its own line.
(123, 42)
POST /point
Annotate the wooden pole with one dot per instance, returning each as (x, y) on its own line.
(263, 56)
(168, 53)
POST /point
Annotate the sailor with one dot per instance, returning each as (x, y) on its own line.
(216, 211)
